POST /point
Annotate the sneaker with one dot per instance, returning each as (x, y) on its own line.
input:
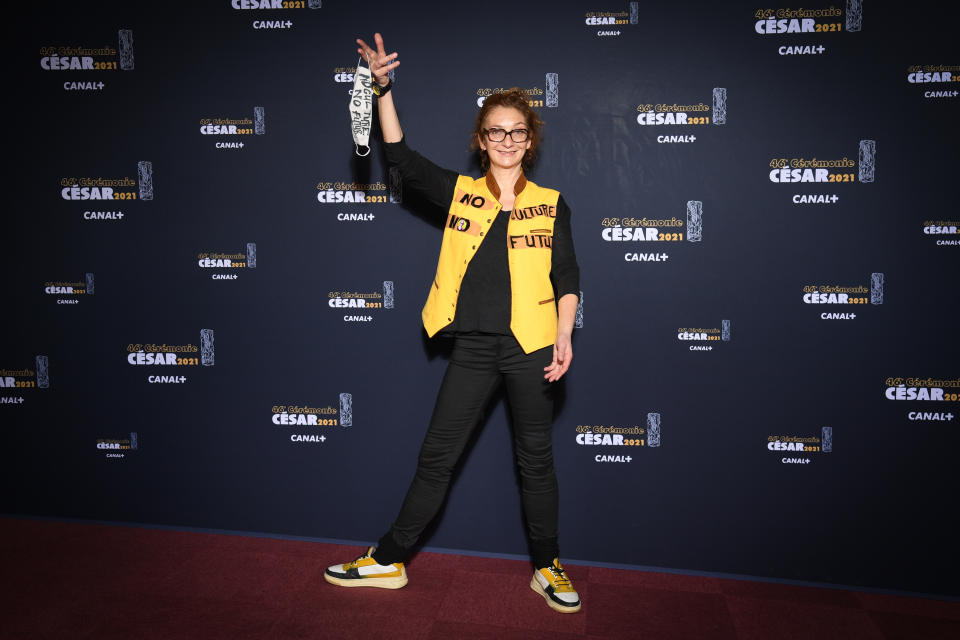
(554, 585)
(365, 572)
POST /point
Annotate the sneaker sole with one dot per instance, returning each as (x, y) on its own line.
(381, 583)
(550, 603)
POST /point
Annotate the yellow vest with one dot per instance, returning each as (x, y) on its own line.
(533, 310)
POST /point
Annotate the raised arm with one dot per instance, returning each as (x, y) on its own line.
(380, 65)
(419, 174)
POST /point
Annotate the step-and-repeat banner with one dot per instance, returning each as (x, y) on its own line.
(212, 309)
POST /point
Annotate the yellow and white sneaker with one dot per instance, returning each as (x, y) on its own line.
(365, 572)
(554, 585)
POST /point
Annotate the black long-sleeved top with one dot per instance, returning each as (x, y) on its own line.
(483, 304)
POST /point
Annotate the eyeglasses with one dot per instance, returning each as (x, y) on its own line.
(497, 134)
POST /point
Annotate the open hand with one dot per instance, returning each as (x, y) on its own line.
(380, 63)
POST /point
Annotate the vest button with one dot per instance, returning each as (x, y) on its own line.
(481, 233)
(474, 246)
(488, 220)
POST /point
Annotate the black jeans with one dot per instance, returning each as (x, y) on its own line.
(477, 366)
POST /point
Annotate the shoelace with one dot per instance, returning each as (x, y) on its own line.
(353, 564)
(560, 578)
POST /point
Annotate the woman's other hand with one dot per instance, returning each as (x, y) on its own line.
(562, 356)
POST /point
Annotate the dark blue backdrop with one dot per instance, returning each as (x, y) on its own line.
(718, 491)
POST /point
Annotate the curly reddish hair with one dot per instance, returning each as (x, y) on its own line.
(513, 98)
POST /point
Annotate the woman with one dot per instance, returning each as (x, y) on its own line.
(506, 288)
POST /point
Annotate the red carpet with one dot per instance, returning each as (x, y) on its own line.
(74, 580)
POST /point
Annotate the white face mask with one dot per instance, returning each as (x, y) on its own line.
(361, 109)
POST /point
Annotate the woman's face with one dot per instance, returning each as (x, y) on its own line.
(505, 154)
